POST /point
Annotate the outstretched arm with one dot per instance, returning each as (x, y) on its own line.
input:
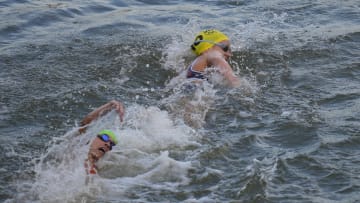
(102, 110)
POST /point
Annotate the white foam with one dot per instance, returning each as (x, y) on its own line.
(151, 129)
(189, 101)
(140, 159)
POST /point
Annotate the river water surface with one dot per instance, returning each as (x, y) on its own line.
(290, 134)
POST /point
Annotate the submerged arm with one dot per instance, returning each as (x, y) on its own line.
(226, 70)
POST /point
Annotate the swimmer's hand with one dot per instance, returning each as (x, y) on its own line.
(119, 108)
(234, 81)
(92, 169)
(101, 111)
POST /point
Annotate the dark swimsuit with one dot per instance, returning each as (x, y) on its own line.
(194, 74)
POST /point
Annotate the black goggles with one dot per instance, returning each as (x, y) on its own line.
(106, 138)
(224, 47)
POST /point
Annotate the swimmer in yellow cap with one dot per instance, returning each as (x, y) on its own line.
(105, 139)
(212, 48)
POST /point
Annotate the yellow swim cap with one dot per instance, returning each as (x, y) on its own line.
(206, 39)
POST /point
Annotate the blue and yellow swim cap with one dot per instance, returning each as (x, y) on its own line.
(205, 39)
(111, 134)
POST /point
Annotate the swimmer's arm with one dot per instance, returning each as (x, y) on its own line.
(102, 110)
(226, 70)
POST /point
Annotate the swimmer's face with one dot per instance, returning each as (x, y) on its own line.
(99, 147)
(224, 47)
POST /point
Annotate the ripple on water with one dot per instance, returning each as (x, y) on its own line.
(296, 139)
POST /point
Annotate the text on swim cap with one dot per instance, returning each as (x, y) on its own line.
(197, 41)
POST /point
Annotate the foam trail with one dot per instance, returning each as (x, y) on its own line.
(141, 159)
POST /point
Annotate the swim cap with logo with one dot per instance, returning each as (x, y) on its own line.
(111, 134)
(205, 39)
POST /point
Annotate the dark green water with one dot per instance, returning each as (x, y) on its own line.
(291, 134)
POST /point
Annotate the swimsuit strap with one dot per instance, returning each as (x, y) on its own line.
(193, 73)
